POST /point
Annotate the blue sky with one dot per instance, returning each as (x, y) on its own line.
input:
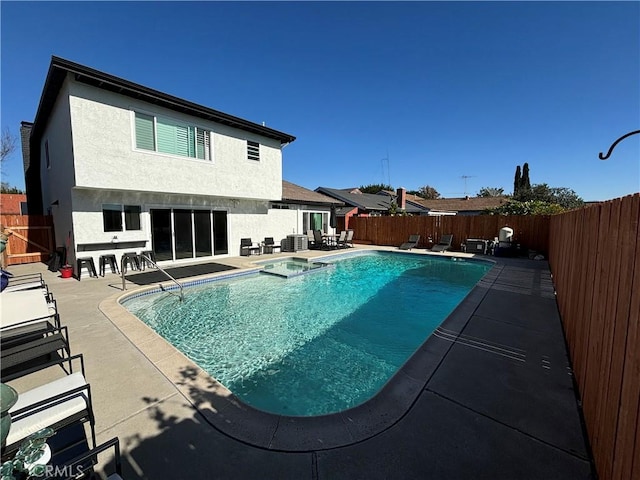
(411, 93)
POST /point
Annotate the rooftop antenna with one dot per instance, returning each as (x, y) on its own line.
(464, 177)
(386, 159)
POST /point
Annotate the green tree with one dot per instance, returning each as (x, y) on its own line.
(532, 207)
(6, 188)
(563, 196)
(525, 183)
(376, 188)
(517, 181)
(428, 192)
(490, 192)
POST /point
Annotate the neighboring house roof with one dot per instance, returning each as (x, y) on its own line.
(465, 204)
(60, 67)
(10, 203)
(369, 202)
(296, 194)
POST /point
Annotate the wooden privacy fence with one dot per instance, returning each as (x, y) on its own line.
(531, 231)
(595, 261)
(31, 238)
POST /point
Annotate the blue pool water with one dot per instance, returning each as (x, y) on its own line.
(318, 343)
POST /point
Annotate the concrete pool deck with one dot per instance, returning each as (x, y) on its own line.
(497, 401)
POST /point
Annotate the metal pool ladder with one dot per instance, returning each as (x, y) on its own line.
(144, 257)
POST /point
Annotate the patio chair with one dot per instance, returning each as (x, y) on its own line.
(23, 282)
(269, 245)
(412, 242)
(86, 462)
(25, 312)
(341, 242)
(33, 350)
(349, 240)
(247, 247)
(443, 244)
(319, 243)
(57, 404)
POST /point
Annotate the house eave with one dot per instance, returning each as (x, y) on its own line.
(59, 68)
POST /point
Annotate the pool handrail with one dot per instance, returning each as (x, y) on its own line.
(146, 258)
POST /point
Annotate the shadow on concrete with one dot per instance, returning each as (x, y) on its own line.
(190, 448)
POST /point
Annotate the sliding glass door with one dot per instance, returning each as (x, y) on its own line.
(202, 229)
(182, 229)
(161, 234)
(178, 234)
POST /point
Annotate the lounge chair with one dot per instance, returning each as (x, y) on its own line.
(26, 311)
(86, 461)
(269, 245)
(23, 282)
(20, 355)
(57, 404)
(443, 244)
(412, 242)
(247, 247)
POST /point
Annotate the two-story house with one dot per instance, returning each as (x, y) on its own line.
(123, 167)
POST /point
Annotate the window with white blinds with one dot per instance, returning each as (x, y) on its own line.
(165, 135)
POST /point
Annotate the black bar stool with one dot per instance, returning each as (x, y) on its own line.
(88, 263)
(111, 260)
(132, 259)
(144, 262)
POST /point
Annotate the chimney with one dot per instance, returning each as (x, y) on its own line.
(402, 198)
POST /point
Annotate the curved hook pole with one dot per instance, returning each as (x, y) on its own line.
(604, 157)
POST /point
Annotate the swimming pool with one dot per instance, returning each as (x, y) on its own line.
(312, 344)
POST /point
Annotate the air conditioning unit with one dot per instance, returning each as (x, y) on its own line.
(294, 243)
(476, 245)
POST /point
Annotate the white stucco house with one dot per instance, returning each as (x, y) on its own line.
(122, 167)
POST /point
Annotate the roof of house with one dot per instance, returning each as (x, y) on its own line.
(463, 204)
(371, 202)
(59, 68)
(296, 194)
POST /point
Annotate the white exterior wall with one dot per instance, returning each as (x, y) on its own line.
(106, 157)
(94, 162)
(58, 180)
(245, 218)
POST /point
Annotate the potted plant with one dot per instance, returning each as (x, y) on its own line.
(31, 459)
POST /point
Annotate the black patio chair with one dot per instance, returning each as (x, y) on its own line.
(412, 242)
(269, 245)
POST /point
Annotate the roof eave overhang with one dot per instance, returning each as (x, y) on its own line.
(60, 67)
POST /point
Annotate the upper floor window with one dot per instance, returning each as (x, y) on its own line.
(165, 135)
(116, 216)
(253, 150)
(47, 158)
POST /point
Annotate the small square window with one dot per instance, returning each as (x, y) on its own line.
(132, 217)
(112, 217)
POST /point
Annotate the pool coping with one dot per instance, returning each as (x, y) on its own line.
(227, 413)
